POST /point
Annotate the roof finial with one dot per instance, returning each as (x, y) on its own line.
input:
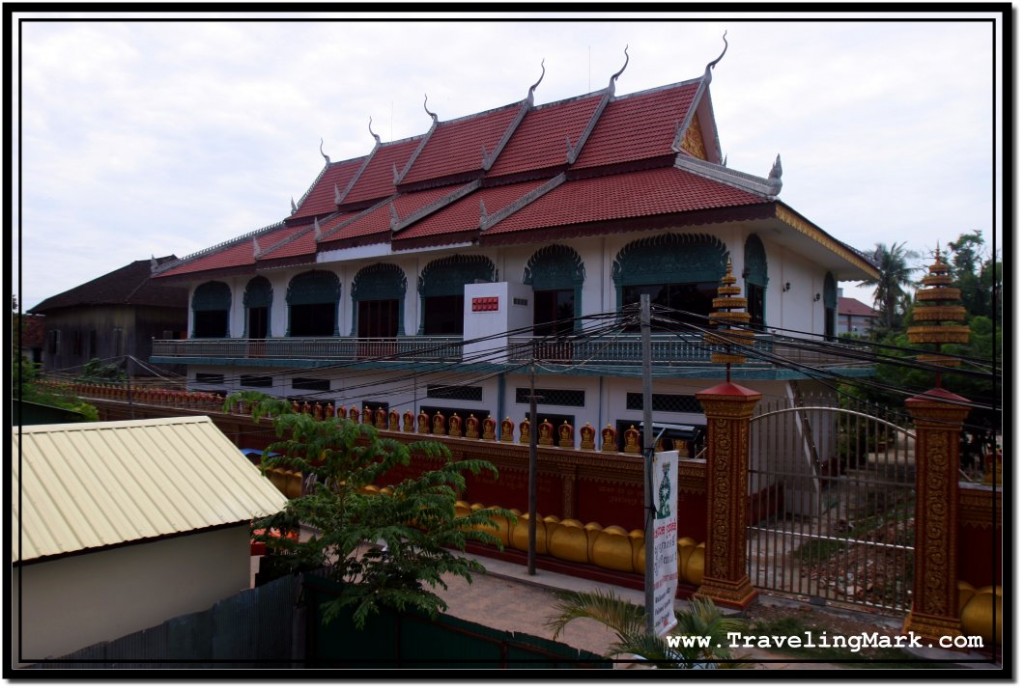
(370, 127)
(432, 115)
(776, 171)
(707, 70)
(483, 211)
(294, 208)
(255, 248)
(337, 194)
(529, 96)
(611, 82)
(316, 229)
(326, 157)
(152, 262)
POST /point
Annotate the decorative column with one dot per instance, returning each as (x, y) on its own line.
(729, 408)
(938, 418)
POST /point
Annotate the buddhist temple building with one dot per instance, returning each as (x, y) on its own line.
(434, 273)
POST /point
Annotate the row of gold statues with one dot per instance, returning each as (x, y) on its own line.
(489, 430)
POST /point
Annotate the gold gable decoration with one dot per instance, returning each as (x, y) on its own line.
(938, 315)
(693, 141)
(729, 327)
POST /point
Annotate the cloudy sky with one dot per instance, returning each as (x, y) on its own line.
(145, 135)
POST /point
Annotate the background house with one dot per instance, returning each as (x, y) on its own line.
(113, 316)
(855, 317)
(118, 526)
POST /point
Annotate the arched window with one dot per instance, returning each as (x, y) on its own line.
(259, 295)
(755, 275)
(211, 303)
(442, 287)
(313, 304)
(378, 302)
(556, 273)
(830, 296)
(681, 272)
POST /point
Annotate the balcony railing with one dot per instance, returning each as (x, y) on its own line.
(345, 349)
(618, 350)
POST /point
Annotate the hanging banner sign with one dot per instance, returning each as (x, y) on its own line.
(665, 481)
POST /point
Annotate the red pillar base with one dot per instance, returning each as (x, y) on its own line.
(733, 594)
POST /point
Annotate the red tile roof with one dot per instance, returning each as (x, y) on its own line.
(374, 225)
(319, 200)
(233, 254)
(855, 307)
(457, 146)
(638, 126)
(377, 180)
(624, 170)
(461, 217)
(540, 140)
(629, 195)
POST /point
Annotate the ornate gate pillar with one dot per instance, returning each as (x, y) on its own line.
(728, 408)
(938, 418)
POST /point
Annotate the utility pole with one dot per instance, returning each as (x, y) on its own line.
(648, 461)
(531, 551)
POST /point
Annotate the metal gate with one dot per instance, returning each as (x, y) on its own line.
(831, 508)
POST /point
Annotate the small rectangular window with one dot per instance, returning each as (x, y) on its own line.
(456, 393)
(307, 384)
(254, 382)
(209, 378)
(666, 403)
(557, 397)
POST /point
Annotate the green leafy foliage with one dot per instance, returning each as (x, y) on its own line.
(628, 621)
(27, 388)
(388, 548)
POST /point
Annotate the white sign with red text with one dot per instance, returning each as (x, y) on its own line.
(665, 484)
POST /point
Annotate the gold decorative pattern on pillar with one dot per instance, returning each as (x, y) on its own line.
(938, 418)
(938, 315)
(729, 321)
(728, 408)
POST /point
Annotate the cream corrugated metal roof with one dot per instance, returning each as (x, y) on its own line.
(87, 485)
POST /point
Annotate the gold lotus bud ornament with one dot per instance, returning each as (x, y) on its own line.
(729, 322)
(938, 317)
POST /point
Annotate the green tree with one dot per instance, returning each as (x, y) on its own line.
(629, 623)
(387, 548)
(27, 387)
(893, 275)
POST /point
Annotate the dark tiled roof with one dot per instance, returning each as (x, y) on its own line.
(129, 285)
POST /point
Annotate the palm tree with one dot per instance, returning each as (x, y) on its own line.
(893, 275)
(702, 619)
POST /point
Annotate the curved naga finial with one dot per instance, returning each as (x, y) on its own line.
(326, 157)
(775, 176)
(529, 96)
(432, 115)
(369, 126)
(611, 82)
(711, 65)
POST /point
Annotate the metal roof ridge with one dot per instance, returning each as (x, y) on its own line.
(434, 206)
(768, 187)
(490, 220)
(216, 248)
